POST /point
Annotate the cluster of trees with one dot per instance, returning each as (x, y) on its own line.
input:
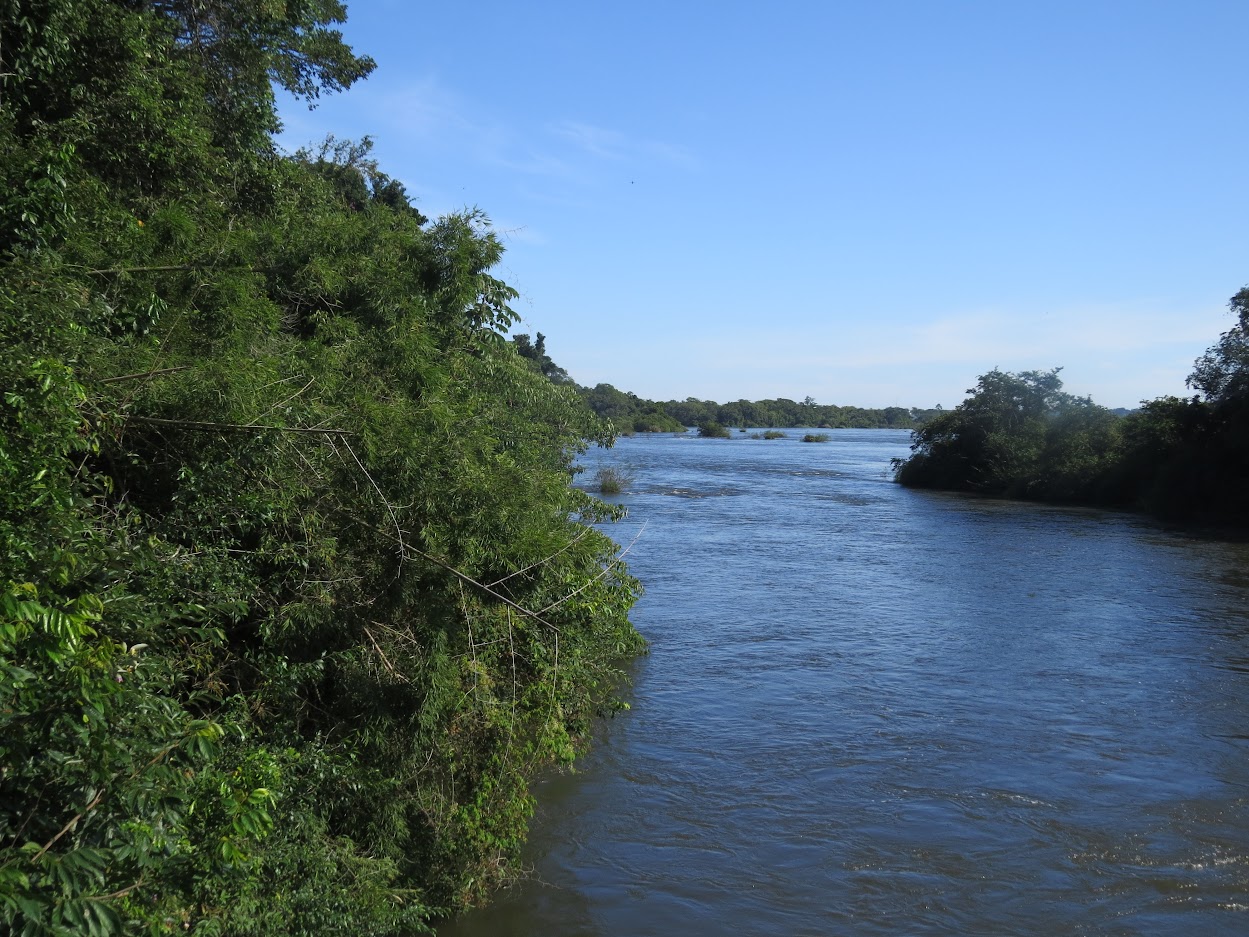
(1020, 435)
(534, 352)
(295, 592)
(630, 412)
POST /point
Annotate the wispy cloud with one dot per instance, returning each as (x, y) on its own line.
(615, 146)
(1119, 354)
(426, 114)
(597, 141)
(1003, 337)
(448, 137)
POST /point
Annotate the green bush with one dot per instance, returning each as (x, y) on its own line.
(816, 437)
(713, 430)
(611, 480)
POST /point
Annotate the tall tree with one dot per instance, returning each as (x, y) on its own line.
(1221, 375)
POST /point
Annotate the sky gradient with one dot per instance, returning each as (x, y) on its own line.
(867, 203)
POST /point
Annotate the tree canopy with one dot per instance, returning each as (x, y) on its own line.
(628, 412)
(296, 593)
(1019, 435)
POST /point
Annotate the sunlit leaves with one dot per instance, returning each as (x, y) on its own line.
(297, 595)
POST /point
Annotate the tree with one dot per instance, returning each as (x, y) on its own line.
(713, 430)
(535, 352)
(990, 441)
(1221, 375)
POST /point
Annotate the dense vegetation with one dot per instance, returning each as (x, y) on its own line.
(628, 412)
(1020, 435)
(295, 593)
(713, 430)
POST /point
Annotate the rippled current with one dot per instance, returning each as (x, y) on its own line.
(874, 711)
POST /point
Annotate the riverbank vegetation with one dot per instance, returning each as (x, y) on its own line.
(1019, 435)
(612, 480)
(295, 592)
(713, 430)
(628, 411)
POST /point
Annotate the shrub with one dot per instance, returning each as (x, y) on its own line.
(656, 423)
(816, 437)
(713, 430)
(611, 480)
(774, 434)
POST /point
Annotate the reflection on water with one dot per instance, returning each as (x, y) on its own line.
(875, 711)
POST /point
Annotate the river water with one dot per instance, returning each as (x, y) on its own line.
(874, 711)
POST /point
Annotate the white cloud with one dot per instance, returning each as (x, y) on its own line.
(985, 338)
(615, 146)
(1119, 354)
(607, 144)
(425, 114)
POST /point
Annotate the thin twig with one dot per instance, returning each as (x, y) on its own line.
(394, 518)
(484, 588)
(568, 546)
(177, 268)
(138, 374)
(160, 354)
(203, 426)
(385, 660)
(606, 569)
(311, 381)
(122, 892)
(511, 726)
(95, 802)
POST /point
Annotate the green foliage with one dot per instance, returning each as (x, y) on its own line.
(816, 437)
(990, 441)
(1018, 435)
(1221, 375)
(611, 480)
(713, 430)
(671, 416)
(653, 421)
(296, 594)
(535, 353)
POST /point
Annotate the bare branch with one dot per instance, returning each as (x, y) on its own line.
(606, 569)
(568, 546)
(311, 381)
(385, 660)
(203, 426)
(95, 802)
(484, 588)
(394, 518)
(139, 374)
(177, 268)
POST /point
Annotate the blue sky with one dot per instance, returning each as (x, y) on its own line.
(869, 203)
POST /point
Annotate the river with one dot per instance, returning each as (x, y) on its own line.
(875, 711)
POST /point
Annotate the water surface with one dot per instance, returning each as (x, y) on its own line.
(873, 711)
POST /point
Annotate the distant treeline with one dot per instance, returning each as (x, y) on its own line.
(1020, 436)
(630, 413)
